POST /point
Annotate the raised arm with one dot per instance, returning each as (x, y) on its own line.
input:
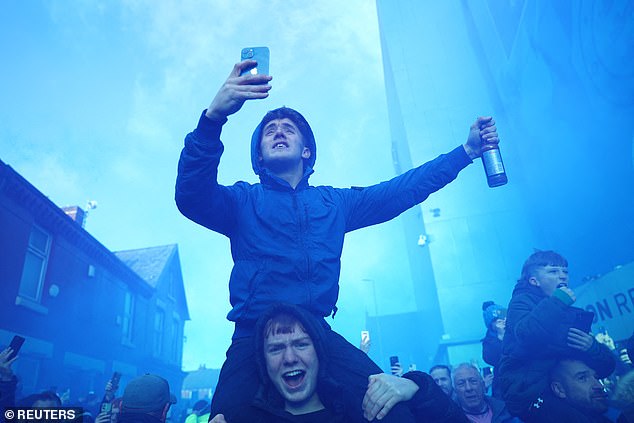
(236, 90)
(382, 202)
(198, 194)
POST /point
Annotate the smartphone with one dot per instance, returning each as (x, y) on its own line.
(394, 364)
(487, 371)
(116, 377)
(394, 361)
(15, 345)
(583, 320)
(260, 55)
(365, 336)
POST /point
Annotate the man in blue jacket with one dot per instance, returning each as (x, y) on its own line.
(286, 235)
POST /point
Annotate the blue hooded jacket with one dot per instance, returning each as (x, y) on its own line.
(286, 243)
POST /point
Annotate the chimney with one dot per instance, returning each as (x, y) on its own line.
(76, 213)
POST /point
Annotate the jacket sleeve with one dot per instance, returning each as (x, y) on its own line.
(535, 324)
(430, 403)
(382, 202)
(491, 350)
(198, 195)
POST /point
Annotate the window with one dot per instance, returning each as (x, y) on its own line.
(128, 314)
(35, 262)
(159, 326)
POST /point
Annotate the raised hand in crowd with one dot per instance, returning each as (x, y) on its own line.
(6, 374)
(236, 90)
(104, 417)
(488, 381)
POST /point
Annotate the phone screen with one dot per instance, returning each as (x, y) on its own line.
(260, 55)
(15, 345)
(116, 377)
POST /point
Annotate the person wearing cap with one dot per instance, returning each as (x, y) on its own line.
(542, 327)
(286, 235)
(494, 316)
(146, 399)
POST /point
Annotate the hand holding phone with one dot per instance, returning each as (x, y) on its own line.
(15, 345)
(232, 95)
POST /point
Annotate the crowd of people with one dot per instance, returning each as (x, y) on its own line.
(286, 364)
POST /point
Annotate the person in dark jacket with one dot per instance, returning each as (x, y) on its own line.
(543, 327)
(580, 395)
(286, 235)
(297, 384)
(494, 316)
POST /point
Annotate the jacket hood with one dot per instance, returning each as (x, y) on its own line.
(523, 287)
(299, 121)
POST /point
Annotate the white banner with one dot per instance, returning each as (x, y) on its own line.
(611, 299)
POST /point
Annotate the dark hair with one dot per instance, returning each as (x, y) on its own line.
(440, 367)
(293, 115)
(540, 259)
(282, 323)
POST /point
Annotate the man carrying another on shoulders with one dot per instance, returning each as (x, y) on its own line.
(286, 235)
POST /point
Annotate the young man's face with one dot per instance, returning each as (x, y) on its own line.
(469, 389)
(548, 278)
(442, 379)
(580, 387)
(292, 365)
(282, 142)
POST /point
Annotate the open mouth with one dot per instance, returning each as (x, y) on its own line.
(563, 284)
(294, 378)
(280, 145)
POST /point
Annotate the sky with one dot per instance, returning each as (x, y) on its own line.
(99, 95)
